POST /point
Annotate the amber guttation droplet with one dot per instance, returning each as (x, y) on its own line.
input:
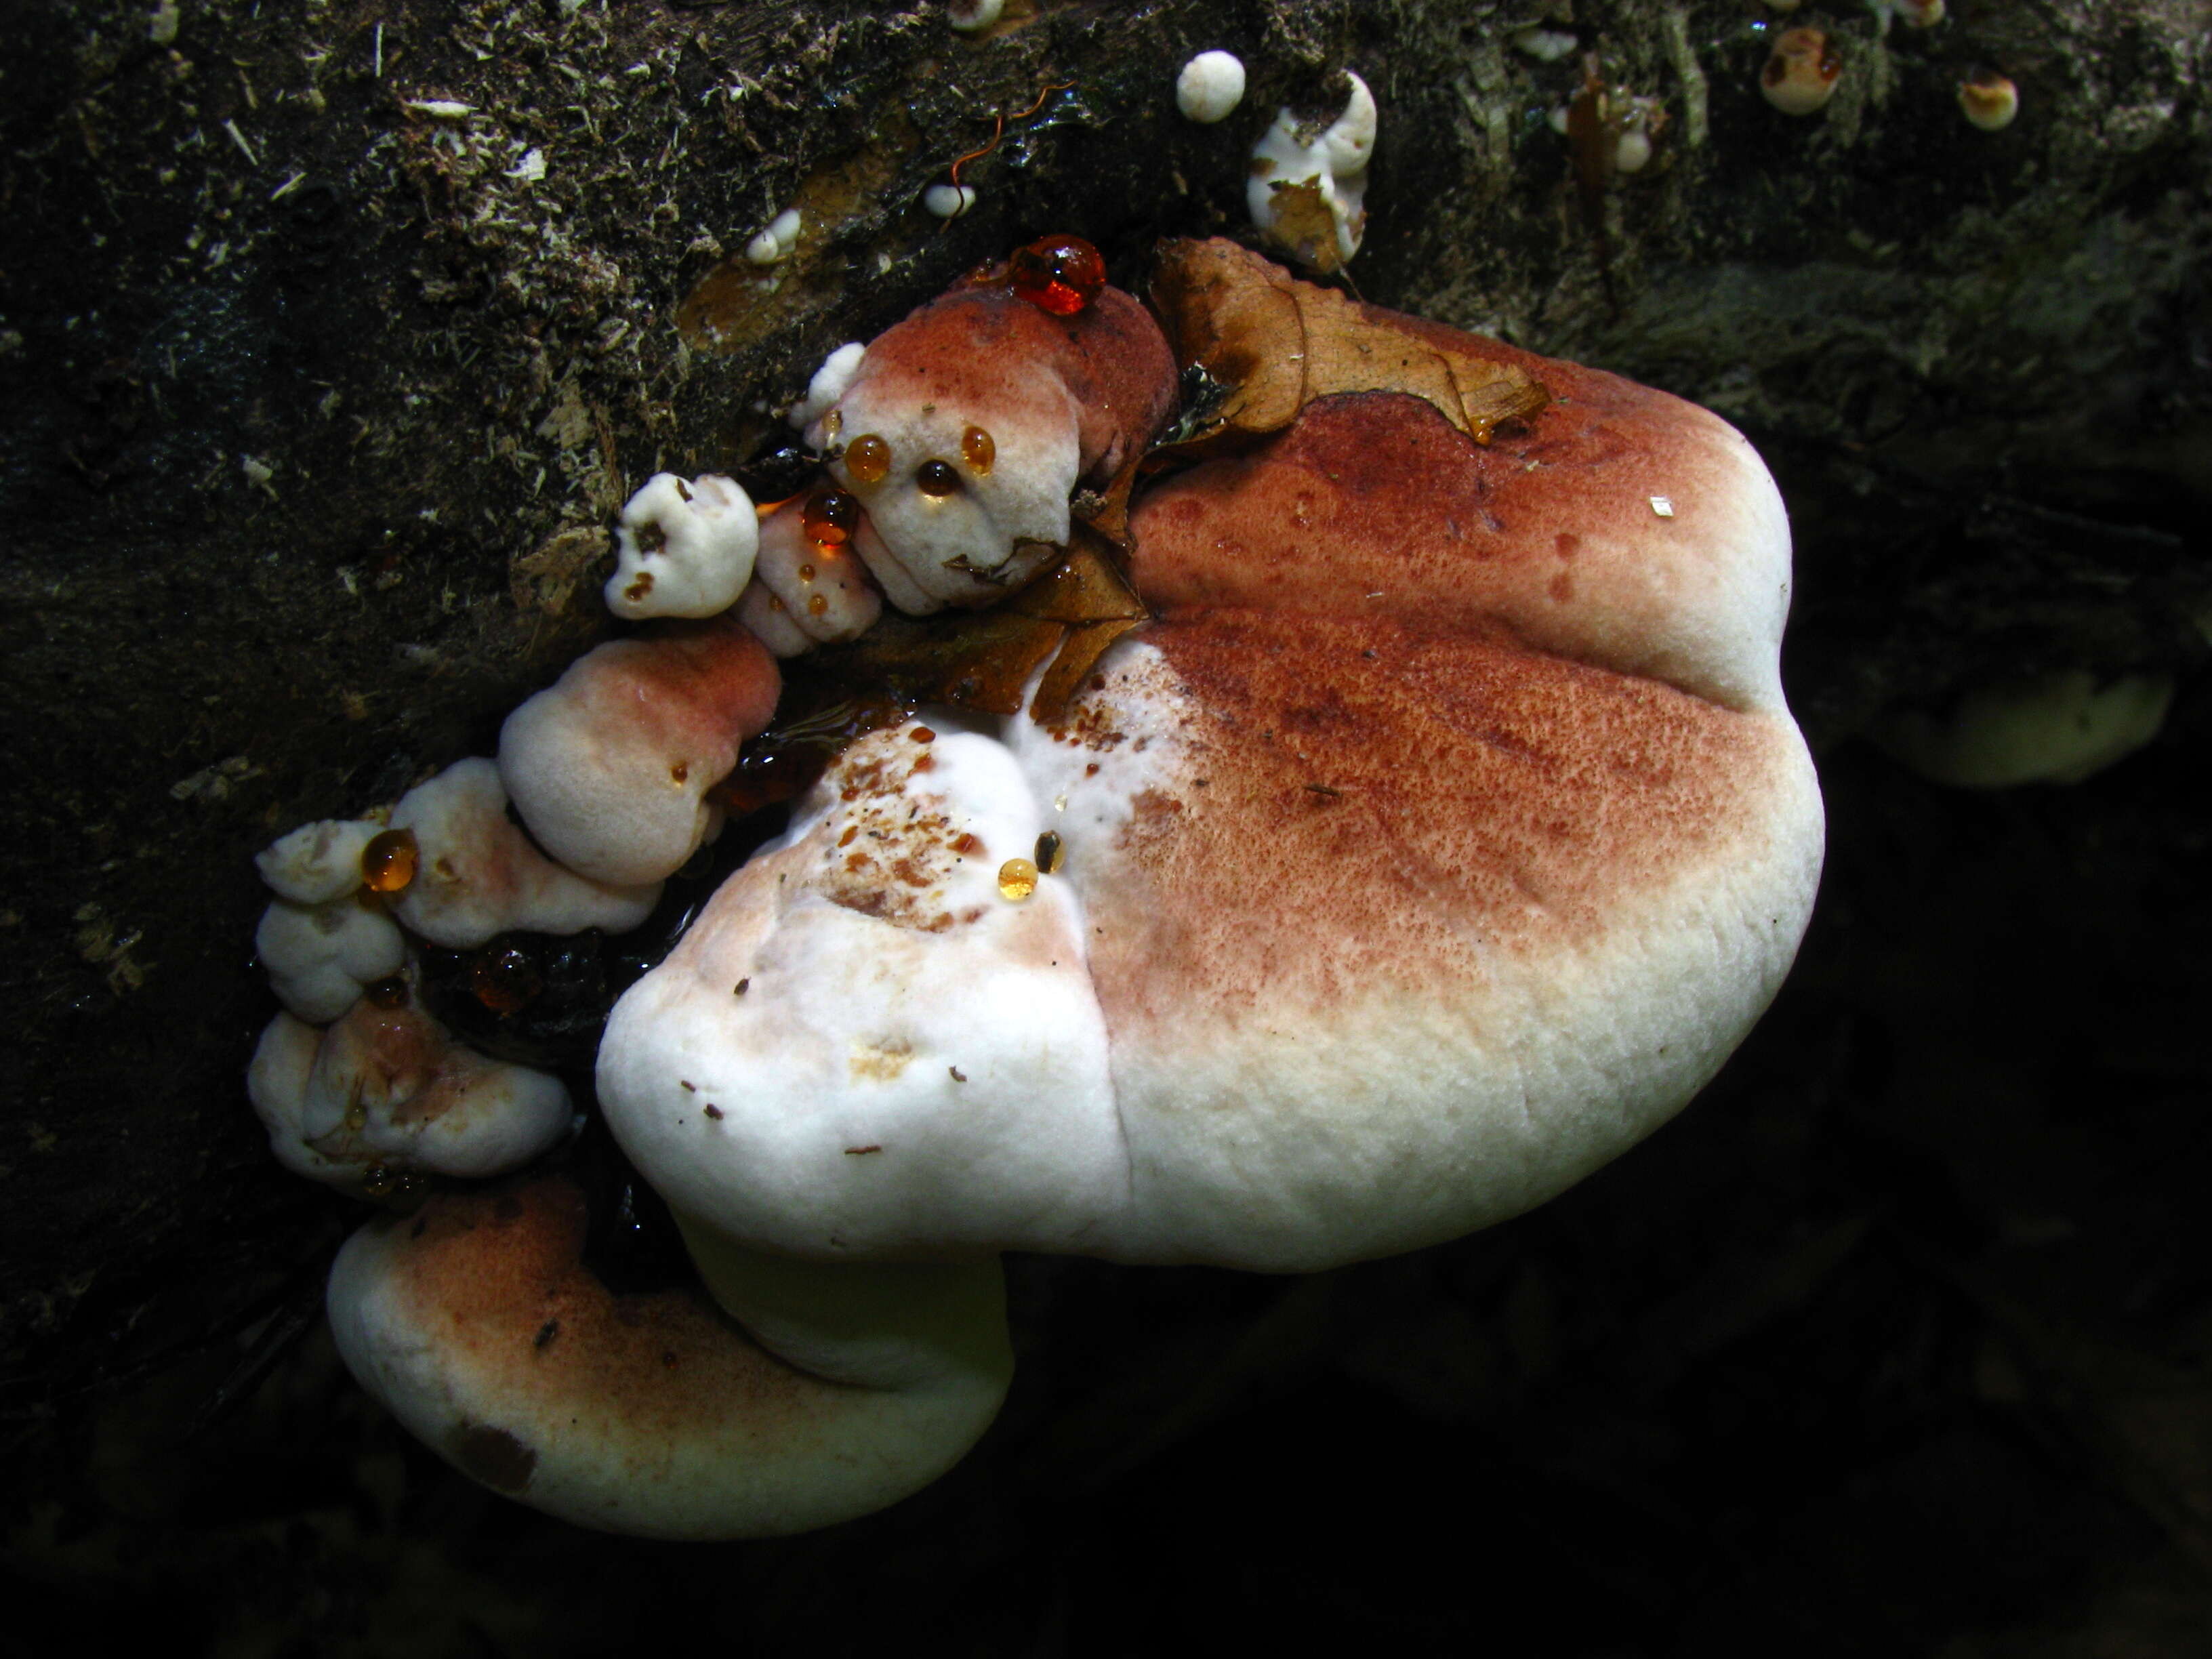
(1051, 853)
(377, 1182)
(1017, 879)
(505, 979)
(1059, 274)
(816, 604)
(386, 993)
(806, 572)
(868, 459)
(387, 863)
(937, 478)
(830, 517)
(978, 450)
(922, 735)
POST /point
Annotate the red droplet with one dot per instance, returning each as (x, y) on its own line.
(830, 516)
(1058, 273)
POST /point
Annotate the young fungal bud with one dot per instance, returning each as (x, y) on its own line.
(317, 862)
(1988, 100)
(948, 201)
(972, 16)
(682, 549)
(828, 385)
(1547, 46)
(1210, 87)
(973, 423)
(319, 957)
(778, 241)
(1640, 120)
(1308, 181)
(1800, 73)
(1918, 14)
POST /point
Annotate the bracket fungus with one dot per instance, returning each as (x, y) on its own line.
(1351, 838)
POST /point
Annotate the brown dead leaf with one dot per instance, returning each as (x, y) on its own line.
(1305, 225)
(1278, 343)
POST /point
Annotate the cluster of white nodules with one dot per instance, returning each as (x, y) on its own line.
(948, 201)
(385, 1088)
(1297, 165)
(806, 593)
(778, 240)
(1549, 46)
(972, 16)
(319, 955)
(1210, 87)
(682, 549)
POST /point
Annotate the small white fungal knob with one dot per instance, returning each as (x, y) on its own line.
(1210, 85)
(682, 549)
(972, 16)
(948, 201)
(777, 241)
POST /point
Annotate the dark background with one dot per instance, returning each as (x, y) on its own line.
(312, 411)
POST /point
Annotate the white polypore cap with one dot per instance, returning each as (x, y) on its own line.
(998, 525)
(478, 875)
(864, 1035)
(1279, 1009)
(477, 1323)
(317, 862)
(682, 549)
(319, 957)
